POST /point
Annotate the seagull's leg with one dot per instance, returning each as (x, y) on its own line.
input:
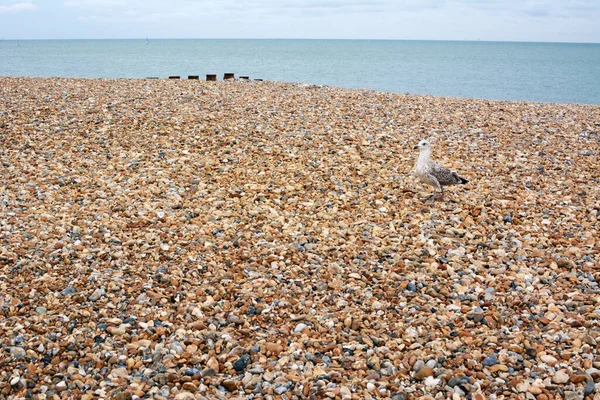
(441, 189)
(441, 198)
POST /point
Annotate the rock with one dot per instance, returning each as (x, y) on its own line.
(192, 372)
(531, 351)
(241, 363)
(185, 396)
(176, 348)
(281, 389)
(229, 385)
(573, 394)
(126, 395)
(61, 386)
(98, 293)
(197, 312)
(523, 387)
(490, 360)
(548, 359)
(423, 373)
(431, 381)
(213, 364)
(273, 348)
(560, 377)
(17, 353)
(418, 365)
(577, 378)
(119, 373)
(190, 387)
(345, 392)
(589, 388)
(67, 291)
(498, 368)
(120, 331)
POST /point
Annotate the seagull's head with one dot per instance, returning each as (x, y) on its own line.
(423, 145)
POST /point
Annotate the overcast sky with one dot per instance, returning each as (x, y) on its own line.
(511, 20)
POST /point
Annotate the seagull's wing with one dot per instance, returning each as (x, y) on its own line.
(443, 175)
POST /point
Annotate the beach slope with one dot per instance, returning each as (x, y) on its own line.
(191, 239)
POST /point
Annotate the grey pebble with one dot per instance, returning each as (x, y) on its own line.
(98, 293)
(490, 360)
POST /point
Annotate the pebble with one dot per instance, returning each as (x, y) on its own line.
(170, 239)
(17, 353)
(281, 389)
(300, 327)
(490, 360)
(423, 373)
(431, 381)
(589, 388)
(98, 293)
(548, 359)
(241, 363)
(560, 377)
(418, 365)
(125, 395)
(229, 385)
(67, 291)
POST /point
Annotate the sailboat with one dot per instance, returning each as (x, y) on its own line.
(147, 42)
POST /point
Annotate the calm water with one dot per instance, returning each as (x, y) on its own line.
(549, 72)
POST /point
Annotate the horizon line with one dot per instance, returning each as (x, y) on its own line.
(283, 38)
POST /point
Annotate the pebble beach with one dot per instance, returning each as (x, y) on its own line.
(183, 239)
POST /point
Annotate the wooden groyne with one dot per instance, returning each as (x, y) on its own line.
(209, 77)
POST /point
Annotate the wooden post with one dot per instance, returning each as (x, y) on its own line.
(258, 79)
(246, 78)
(193, 77)
(174, 77)
(211, 77)
(152, 77)
(228, 75)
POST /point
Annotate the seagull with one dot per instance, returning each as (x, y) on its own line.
(432, 173)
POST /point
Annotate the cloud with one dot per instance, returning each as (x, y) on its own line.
(324, 7)
(531, 8)
(95, 3)
(18, 7)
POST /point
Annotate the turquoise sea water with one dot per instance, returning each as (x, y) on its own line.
(548, 72)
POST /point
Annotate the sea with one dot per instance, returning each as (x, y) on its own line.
(539, 72)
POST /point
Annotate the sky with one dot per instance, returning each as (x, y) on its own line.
(495, 20)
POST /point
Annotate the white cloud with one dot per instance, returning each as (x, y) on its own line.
(95, 3)
(556, 20)
(18, 7)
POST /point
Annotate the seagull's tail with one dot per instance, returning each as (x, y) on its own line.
(460, 180)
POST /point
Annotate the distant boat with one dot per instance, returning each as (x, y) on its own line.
(18, 44)
(147, 42)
